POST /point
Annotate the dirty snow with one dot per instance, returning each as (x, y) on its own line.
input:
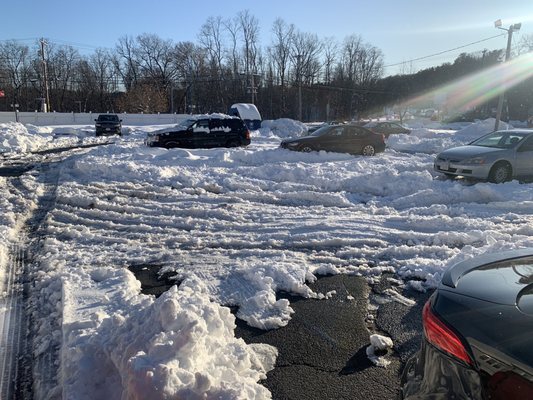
(233, 226)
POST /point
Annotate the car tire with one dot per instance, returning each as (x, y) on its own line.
(170, 145)
(369, 150)
(500, 172)
(305, 149)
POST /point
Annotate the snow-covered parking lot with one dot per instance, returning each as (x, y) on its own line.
(233, 226)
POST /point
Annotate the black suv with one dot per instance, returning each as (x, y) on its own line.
(108, 124)
(216, 130)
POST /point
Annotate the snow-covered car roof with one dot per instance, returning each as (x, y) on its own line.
(247, 111)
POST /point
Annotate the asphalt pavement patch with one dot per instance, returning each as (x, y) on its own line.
(322, 351)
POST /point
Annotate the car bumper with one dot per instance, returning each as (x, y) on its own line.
(108, 131)
(431, 374)
(458, 169)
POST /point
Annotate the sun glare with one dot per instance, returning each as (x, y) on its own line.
(474, 90)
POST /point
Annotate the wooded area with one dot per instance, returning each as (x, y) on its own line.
(297, 75)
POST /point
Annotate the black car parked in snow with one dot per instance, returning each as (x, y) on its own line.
(108, 124)
(478, 333)
(216, 130)
(338, 138)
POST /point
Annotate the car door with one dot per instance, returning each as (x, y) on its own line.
(352, 139)
(201, 133)
(332, 140)
(218, 135)
(524, 158)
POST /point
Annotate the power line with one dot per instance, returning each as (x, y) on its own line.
(445, 51)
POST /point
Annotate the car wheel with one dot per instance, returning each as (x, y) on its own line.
(501, 172)
(369, 150)
(169, 145)
(305, 149)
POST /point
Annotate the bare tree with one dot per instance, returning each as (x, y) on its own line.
(210, 38)
(525, 45)
(249, 26)
(280, 53)
(15, 62)
(330, 56)
(190, 62)
(101, 69)
(305, 54)
(156, 57)
(126, 61)
(61, 65)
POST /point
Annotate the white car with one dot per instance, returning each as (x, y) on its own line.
(497, 157)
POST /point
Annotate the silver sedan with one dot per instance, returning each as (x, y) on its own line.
(497, 157)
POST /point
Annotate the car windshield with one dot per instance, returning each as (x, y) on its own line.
(108, 118)
(500, 140)
(186, 123)
(321, 131)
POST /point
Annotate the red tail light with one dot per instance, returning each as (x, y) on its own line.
(247, 134)
(440, 336)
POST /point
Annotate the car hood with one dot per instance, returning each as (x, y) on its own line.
(177, 128)
(463, 152)
(298, 140)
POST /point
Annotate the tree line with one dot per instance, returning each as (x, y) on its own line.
(297, 75)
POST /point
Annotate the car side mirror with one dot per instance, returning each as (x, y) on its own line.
(119, 120)
(95, 120)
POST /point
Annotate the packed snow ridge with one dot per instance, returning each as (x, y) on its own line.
(234, 227)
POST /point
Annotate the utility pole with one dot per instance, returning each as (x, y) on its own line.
(512, 28)
(45, 74)
(298, 62)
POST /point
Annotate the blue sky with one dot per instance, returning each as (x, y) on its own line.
(402, 30)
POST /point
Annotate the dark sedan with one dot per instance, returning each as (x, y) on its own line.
(387, 128)
(338, 138)
(478, 332)
(108, 124)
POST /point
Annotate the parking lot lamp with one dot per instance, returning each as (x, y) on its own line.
(512, 28)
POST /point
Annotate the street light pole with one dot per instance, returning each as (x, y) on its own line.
(512, 28)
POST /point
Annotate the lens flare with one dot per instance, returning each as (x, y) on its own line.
(476, 89)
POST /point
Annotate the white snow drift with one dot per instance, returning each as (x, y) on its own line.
(234, 226)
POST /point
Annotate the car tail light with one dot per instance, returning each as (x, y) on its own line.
(442, 337)
(383, 137)
(247, 134)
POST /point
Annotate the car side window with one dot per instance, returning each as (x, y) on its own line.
(352, 131)
(338, 131)
(215, 125)
(201, 126)
(527, 145)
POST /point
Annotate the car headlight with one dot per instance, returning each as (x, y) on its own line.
(292, 144)
(98, 124)
(474, 161)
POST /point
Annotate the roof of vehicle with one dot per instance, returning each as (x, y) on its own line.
(196, 117)
(247, 111)
(212, 116)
